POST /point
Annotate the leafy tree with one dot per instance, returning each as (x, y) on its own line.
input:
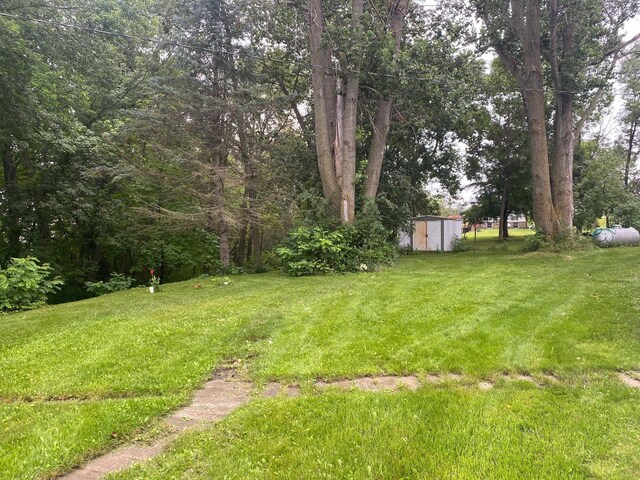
(601, 190)
(498, 158)
(336, 93)
(578, 43)
(630, 78)
(25, 284)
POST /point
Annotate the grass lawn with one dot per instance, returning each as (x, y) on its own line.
(77, 378)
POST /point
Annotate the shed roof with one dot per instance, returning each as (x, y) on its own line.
(434, 217)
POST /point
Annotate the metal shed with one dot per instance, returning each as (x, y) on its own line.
(431, 233)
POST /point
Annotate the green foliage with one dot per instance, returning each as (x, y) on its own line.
(534, 243)
(363, 246)
(154, 281)
(312, 251)
(117, 282)
(600, 188)
(25, 284)
(459, 244)
(570, 241)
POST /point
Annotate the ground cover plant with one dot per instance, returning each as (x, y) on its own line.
(120, 361)
(25, 284)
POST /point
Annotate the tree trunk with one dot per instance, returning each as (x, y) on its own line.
(630, 157)
(532, 87)
(324, 101)
(563, 132)
(242, 246)
(218, 207)
(502, 231)
(544, 214)
(225, 250)
(256, 240)
(397, 11)
(248, 201)
(348, 187)
(378, 145)
(562, 160)
(12, 219)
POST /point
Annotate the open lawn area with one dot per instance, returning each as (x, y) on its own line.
(80, 378)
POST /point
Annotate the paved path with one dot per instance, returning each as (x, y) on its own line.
(224, 393)
(215, 400)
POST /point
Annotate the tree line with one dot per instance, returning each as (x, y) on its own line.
(192, 136)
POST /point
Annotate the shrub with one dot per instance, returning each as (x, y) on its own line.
(571, 242)
(363, 246)
(406, 250)
(459, 244)
(533, 243)
(117, 282)
(25, 284)
(311, 250)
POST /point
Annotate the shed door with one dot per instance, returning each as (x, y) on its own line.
(420, 235)
(434, 235)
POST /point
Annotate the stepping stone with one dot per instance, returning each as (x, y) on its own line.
(118, 460)
(215, 400)
(272, 389)
(630, 381)
(293, 391)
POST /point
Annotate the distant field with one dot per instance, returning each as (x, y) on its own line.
(121, 361)
(493, 233)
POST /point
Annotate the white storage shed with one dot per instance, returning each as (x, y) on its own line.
(431, 233)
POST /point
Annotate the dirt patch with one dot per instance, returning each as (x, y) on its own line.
(631, 379)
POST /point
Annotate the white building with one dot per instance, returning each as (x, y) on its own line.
(431, 233)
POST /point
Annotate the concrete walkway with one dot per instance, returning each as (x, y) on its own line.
(224, 393)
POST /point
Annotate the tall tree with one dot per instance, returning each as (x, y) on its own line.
(498, 156)
(630, 79)
(579, 44)
(335, 77)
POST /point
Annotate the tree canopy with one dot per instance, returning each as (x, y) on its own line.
(191, 137)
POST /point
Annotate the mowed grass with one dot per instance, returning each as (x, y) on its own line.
(516, 431)
(43, 439)
(477, 313)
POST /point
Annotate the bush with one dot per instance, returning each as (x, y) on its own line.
(311, 250)
(363, 246)
(571, 242)
(459, 244)
(533, 243)
(117, 282)
(25, 284)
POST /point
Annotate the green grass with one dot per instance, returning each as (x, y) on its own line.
(511, 432)
(477, 313)
(38, 439)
